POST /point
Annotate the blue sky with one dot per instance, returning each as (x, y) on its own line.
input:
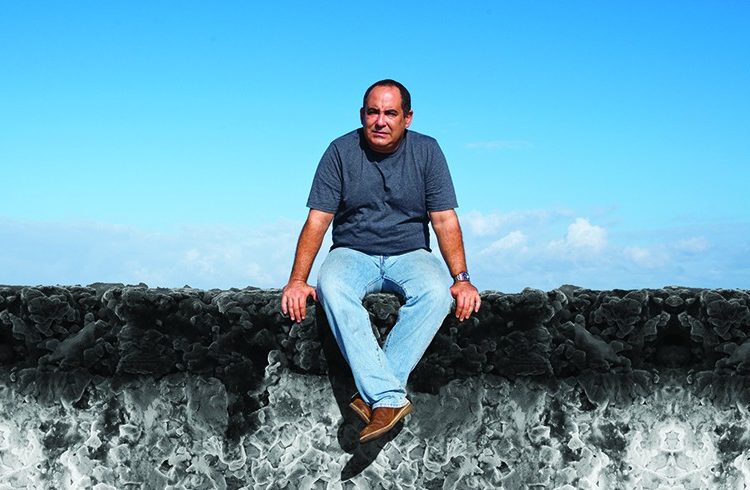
(603, 144)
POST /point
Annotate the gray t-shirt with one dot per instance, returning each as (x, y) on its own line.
(380, 200)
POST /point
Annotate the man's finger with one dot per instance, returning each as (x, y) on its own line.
(283, 304)
(297, 312)
(468, 306)
(302, 307)
(459, 306)
(466, 310)
(290, 307)
(291, 312)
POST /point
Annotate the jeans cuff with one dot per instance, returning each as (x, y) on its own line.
(390, 404)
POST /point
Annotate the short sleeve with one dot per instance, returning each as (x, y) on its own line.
(439, 192)
(325, 193)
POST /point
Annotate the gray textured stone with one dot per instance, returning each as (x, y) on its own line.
(114, 386)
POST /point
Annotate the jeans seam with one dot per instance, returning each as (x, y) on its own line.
(388, 405)
(364, 293)
(380, 354)
(428, 345)
(406, 299)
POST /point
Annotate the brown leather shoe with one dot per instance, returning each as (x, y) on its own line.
(361, 408)
(382, 420)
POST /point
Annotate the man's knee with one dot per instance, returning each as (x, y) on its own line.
(439, 296)
(331, 288)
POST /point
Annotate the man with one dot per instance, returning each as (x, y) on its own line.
(381, 185)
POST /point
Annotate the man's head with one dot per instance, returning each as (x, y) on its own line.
(385, 115)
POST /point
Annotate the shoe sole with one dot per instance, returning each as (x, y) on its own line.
(406, 410)
(362, 415)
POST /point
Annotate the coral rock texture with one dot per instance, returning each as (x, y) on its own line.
(111, 386)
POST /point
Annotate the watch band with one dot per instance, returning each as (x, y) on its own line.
(462, 276)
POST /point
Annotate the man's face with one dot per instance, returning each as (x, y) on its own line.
(383, 119)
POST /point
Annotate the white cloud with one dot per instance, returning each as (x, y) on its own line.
(487, 224)
(692, 245)
(514, 239)
(483, 224)
(510, 251)
(546, 249)
(200, 256)
(638, 255)
(582, 234)
(653, 257)
(582, 241)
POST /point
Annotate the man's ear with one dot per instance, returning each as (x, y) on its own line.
(362, 116)
(408, 118)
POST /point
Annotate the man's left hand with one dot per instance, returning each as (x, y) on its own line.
(467, 299)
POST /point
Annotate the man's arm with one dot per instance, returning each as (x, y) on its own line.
(295, 293)
(450, 241)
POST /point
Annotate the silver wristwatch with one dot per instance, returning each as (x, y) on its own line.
(462, 276)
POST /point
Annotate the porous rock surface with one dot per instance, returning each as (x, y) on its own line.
(114, 386)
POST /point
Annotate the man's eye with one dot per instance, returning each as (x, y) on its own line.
(391, 114)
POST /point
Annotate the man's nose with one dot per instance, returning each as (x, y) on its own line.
(381, 120)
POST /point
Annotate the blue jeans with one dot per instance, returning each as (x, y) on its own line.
(344, 279)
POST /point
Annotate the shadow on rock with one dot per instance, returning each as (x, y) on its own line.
(366, 453)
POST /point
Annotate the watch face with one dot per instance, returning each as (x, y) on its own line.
(462, 276)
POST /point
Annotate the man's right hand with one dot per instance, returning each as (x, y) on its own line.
(294, 299)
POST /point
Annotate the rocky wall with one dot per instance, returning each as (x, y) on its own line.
(113, 386)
